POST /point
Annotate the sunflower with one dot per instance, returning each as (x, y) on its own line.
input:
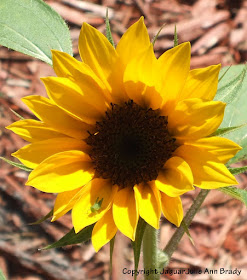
(123, 134)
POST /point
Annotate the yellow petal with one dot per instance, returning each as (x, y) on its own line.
(104, 230)
(152, 98)
(33, 154)
(195, 118)
(32, 130)
(96, 190)
(125, 212)
(97, 52)
(142, 68)
(140, 79)
(68, 67)
(148, 200)
(201, 83)
(62, 172)
(208, 171)
(65, 202)
(135, 91)
(65, 65)
(176, 178)
(224, 149)
(133, 42)
(173, 66)
(85, 103)
(55, 117)
(172, 209)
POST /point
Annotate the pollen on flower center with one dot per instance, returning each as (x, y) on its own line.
(131, 144)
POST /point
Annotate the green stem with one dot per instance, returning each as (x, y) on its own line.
(150, 253)
(173, 243)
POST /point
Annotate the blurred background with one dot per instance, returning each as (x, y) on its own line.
(217, 30)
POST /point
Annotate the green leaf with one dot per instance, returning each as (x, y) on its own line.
(32, 27)
(47, 216)
(112, 241)
(238, 170)
(236, 193)
(19, 165)
(175, 37)
(186, 229)
(232, 89)
(2, 277)
(138, 242)
(72, 238)
(108, 29)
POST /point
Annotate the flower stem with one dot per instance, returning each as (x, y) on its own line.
(150, 253)
(173, 243)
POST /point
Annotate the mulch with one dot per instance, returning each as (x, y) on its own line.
(217, 30)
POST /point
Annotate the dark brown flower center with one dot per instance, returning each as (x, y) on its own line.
(131, 144)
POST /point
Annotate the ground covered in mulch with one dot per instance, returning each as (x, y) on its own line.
(217, 30)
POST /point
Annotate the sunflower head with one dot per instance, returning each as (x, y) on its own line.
(123, 134)
(131, 144)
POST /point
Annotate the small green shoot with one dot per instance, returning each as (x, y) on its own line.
(224, 73)
(157, 35)
(18, 115)
(47, 216)
(19, 165)
(175, 37)
(108, 30)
